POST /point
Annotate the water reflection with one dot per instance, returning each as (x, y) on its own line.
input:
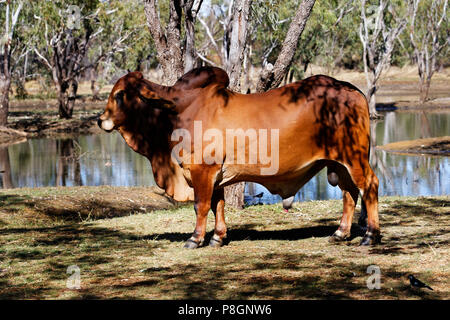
(398, 174)
(105, 159)
(5, 168)
(87, 160)
(68, 165)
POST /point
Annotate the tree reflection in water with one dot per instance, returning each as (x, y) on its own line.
(68, 162)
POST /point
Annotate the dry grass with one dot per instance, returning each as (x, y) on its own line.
(124, 253)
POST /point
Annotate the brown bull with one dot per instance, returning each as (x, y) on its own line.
(314, 123)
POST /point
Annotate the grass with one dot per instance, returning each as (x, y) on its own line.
(128, 242)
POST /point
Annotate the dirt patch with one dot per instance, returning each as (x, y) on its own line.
(434, 146)
(86, 203)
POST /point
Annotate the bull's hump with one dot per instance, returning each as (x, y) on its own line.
(202, 78)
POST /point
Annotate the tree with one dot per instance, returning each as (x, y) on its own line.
(378, 33)
(69, 31)
(429, 40)
(11, 13)
(121, 28)
(272, 76)
(175, 58)
(237, 39)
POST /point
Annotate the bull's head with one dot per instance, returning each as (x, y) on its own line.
(129, 96)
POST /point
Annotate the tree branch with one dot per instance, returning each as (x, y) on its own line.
(272, 78)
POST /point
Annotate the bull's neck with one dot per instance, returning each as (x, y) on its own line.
(149, 135)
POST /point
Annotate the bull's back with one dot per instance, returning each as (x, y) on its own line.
(310, 114)
(316, 118)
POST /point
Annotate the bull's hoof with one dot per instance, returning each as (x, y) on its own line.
(338, 236)
(370, 239)
(192, 244)
(215, 242)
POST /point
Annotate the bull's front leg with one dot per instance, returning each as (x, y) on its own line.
(203, 183)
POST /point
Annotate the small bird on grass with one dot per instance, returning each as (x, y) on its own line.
(259, 195)
(417, 283)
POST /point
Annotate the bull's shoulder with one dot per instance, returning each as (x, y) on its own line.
(202, 78)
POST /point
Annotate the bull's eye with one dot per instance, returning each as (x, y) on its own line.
(119, 97)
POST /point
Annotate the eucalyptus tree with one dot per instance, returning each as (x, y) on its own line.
(66, 32)
(382, 22)
(429, 38)
(10, 11)
(175, 49)
(123, 44)
(272, 75)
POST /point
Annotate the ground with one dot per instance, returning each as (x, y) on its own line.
(431, 146)
(126, 246)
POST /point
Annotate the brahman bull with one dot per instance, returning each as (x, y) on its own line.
(315, 123)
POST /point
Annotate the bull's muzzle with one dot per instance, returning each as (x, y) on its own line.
(105, 124)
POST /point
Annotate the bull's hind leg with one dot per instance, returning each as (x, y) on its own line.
(343, 232)
(370, 199)
(367, 182)
(350, 195)
(218, 207)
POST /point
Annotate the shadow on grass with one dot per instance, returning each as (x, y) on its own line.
(245, 232)
(275, 275)
(48, 251)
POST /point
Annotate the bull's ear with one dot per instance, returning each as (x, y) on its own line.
(153, 99)
(146, 94)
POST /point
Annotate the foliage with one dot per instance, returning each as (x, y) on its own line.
(330, 38)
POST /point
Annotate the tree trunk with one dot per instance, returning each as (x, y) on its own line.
(95, 89)
(66, 98)
(425, 90)
(238, 40)
(168, 43)
(190, 15)
(234, 194)
(5, 84)
(371, 99)
(272, 77)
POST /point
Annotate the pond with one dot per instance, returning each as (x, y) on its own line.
(105, 159)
